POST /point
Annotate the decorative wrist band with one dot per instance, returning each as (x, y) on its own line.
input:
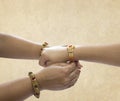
(70, 50)
(45, 44)
(35, 85)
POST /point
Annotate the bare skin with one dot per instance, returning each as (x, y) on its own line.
(107, 54)
(61, 75)
(57, 77)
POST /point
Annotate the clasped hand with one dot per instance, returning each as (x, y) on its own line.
(59, 73)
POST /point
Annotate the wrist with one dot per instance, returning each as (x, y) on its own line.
(76, 53)
(40, 77)
(72, 53)
(38, 48)
(64, 55)
(36, 51)
(35, 84)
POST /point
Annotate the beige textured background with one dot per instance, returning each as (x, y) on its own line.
(65, 22)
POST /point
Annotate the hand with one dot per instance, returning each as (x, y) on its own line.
(53, 55)
(58, 76)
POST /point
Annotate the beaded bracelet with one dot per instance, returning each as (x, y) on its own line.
(45, 44)
(35, 84)
(70, 50)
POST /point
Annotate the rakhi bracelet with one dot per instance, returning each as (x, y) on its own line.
(70, 50)
(35, 84)
(45, 44)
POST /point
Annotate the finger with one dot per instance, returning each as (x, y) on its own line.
(71, 67)
(57, 64)
(78, 64)
(48, 63)
(74, 80)
(72, 83)
(43, 60)
(74, 74)
(40, 61)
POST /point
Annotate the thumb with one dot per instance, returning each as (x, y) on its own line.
(43, 60)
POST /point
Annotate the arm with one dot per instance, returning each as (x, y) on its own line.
(56, 77)
(108, 54)
(16, 47)
(16, 90)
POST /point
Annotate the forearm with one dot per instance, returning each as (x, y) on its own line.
(108, 54)
(15, 47)
(16, 91)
